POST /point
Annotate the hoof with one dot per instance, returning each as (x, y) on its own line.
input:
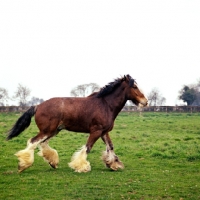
(112, 161)
(21, 168)
(53, 165)
(117, 165)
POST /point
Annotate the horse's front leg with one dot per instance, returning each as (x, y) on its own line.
(110, 159)
(79, 159)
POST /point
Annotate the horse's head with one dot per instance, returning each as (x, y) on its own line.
(134, 93)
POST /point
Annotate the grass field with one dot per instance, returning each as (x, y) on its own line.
(160, 151)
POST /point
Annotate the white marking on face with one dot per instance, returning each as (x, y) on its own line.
(141, 91)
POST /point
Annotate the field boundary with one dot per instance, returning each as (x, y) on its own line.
(189, 109)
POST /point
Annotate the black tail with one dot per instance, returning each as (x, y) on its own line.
(22, 123)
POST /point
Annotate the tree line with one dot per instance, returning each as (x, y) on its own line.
(190, 94)
(22, 94)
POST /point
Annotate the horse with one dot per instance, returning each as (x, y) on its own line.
(94, 114)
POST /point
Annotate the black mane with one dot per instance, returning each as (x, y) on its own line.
(107, 89)
(110, 87)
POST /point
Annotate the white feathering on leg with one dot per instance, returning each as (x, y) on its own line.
(26, 156)
(79, 162)
(49, 155)
(26, 159)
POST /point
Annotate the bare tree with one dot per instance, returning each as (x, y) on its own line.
(93, 87)
(84, 90)
(3, 96)
(22, 94)
(34, 101)
(162, 101)
(155, 98)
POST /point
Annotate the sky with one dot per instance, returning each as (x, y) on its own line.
(53, 46)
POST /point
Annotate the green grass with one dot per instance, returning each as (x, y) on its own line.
(160, 151)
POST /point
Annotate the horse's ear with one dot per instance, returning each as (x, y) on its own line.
(131, 80)
(127, 77)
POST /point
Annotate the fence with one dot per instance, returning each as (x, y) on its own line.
(12, 109)
(125, 109)
(163, 109)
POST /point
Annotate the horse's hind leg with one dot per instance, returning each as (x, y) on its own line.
(110, 159)
(50, 155)
(26, 156)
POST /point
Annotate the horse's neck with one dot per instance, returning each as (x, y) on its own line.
(116, 101)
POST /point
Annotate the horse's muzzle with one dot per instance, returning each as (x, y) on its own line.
(143, 103)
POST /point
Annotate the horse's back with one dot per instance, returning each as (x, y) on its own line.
(63, 109)
(56, 106)
(75, 114)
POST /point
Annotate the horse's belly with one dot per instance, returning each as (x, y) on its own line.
(77, 127)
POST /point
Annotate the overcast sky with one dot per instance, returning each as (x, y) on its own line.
(53, 46)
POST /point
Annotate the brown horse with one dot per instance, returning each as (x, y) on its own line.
(94, 114)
